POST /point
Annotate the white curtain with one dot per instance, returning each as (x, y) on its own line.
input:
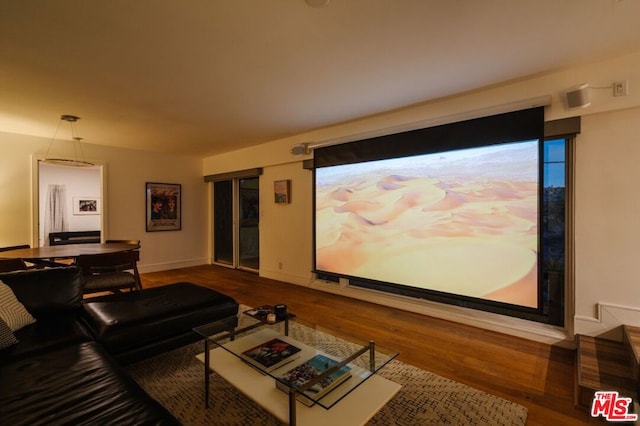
(55, 214)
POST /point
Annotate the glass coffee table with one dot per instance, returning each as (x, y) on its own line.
(299, 372)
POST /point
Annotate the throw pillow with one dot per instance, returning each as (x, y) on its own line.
(6, 336)
(12, 311)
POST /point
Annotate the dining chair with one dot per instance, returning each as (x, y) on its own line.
(8, 265)
(110, 271)
(14, 264)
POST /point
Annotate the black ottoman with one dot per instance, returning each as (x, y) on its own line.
(139, 324)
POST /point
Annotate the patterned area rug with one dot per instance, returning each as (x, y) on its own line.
(176, 380)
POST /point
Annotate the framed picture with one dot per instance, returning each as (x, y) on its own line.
(282, 191)
(163, 206)
(86, 205)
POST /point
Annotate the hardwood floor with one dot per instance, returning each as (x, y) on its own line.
(536, 375)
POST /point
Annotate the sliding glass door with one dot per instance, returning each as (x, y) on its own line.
(236, 219)
(249, 237)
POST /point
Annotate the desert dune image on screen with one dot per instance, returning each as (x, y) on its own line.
(462, 222)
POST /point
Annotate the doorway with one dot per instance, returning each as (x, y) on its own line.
(236, 207)
(67, 199)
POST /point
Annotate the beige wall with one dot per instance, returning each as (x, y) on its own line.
(607, 222)
(15, 187)
(123, 200)
(606, 272)
(606, 200)
(285, 228)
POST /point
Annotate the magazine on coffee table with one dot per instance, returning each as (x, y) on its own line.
(272, 354)
(308, 370)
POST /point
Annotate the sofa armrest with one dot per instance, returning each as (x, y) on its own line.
(46, 291)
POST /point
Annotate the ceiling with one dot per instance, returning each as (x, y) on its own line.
(207, 76)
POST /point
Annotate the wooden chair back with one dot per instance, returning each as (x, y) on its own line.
(22, 246)
(8, 265)
(98, 268)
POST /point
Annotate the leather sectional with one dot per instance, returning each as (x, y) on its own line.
(65, 368)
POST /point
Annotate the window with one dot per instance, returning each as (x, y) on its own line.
(554, 228)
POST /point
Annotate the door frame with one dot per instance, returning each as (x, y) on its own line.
(35, 198)
(235, 194)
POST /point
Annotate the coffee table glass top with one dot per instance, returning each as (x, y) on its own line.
(322, 367)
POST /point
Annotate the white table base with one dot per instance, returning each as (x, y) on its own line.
(355, 409)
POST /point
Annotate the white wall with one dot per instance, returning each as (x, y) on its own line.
(605, 270)
(292, 258)
(608, 222)
(123, 201)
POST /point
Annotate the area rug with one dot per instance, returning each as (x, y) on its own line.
(176, 380)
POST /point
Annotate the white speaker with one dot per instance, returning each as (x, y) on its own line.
(317, 3)
(300, 149)
(578, 97)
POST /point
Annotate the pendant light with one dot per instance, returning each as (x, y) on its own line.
(78, 155)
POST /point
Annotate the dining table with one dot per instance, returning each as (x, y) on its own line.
(48, 254)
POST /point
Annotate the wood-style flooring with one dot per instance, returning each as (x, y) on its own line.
(536, 375)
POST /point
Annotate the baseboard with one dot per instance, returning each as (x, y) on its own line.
(608, 321)
(156, 267)
(287, 278)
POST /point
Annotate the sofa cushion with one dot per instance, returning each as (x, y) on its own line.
(12, 312)
(46, 291)
(48, 333)
(7, 338)
(78, 384)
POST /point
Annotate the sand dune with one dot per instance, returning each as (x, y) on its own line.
(458, 236)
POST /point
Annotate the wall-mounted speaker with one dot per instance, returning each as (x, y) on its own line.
(578, 97)
(317, 3)
(301, 149)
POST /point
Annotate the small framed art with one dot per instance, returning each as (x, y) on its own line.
(86, 205)
(163, 206)
(282, 191)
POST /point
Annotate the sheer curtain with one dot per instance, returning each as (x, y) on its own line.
(55, 214)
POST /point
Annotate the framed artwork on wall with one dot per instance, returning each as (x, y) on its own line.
(282, 191)
(86, 205)
(163, 206)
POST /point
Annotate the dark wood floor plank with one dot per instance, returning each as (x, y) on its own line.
(536, 375)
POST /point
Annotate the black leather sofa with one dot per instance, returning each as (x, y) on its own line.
(63, 369)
